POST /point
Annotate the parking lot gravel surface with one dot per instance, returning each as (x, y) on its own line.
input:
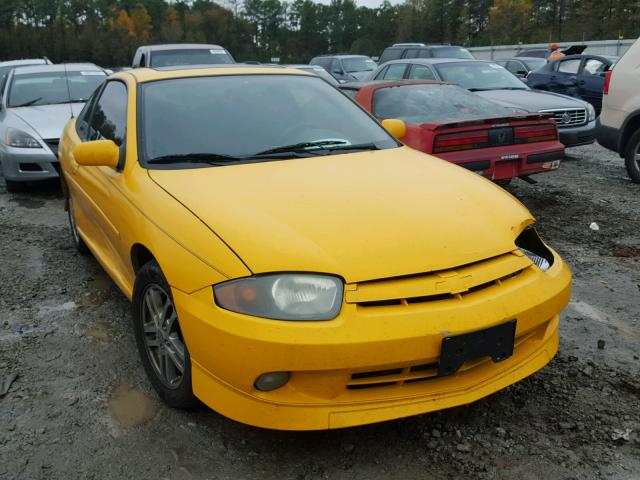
(80, 406)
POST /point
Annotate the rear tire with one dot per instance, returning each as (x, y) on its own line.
(159, 339)
(632, 157)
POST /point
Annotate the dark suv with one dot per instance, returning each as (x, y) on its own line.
(346, 68)
(398, 51)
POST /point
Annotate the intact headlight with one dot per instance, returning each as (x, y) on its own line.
(19, 139)
(533, 247)
(283, 296)
(591, 112)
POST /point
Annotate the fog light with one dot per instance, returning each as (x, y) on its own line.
(271, 381)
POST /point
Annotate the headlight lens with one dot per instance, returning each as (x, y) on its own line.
(533, 247)
(19, 139)
(591, 111)
(283, 296)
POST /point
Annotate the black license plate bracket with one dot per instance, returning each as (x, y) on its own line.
(495, 342)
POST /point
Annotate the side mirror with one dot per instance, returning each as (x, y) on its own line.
(98, 153)
(395, 127)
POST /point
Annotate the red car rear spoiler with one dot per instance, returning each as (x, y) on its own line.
(518, 117)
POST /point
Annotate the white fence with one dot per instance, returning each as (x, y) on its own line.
(598, 47)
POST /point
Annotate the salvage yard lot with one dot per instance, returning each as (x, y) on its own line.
(81, 406)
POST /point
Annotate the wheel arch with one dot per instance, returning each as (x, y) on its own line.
(630, 126)
(140, 255)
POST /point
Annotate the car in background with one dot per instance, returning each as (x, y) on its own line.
(452, 123)
(619, 122)
(37, 101)
(575, 117)
(346, 68)
(180, 54)
(6, 67)
(580, 76)
(546, 52)
(521, 67)
(316, 70)
(422, 50)
(290, 263)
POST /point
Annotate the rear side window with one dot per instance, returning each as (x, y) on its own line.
(109, 117)
(421, 72)
(395, 71)
(569, 66)
(170, 58)
(593, 67)
(412, 53)
(324, 62)
(451, 52)
(424, 53)
(390, 54)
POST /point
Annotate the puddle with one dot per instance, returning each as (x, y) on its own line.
(99, 289)
(99, 331)
(593, 313)
(34, 266)
(63, 307)
(129, 406)
(29, 202)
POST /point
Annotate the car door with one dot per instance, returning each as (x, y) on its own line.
(100, 205)
(564, 78)
(591, 81)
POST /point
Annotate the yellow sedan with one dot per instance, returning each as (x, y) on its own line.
(290, 263)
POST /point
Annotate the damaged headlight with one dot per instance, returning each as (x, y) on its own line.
(534, 248)
(283, 296)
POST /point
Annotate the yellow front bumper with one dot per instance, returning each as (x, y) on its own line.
(229, 351)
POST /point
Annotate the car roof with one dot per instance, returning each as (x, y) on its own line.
(434, 61)
(59, 67)
(182, 46)
(165, 73)
(342, 55)
(24, 61)
(610, 58)
(389, 83)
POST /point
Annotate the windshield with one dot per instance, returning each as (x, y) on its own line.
(361, 64)
(419, 104)
(241, 116)
(534, 63)
(170, 58)
(478, 76)
(451, 52)
(51, 87)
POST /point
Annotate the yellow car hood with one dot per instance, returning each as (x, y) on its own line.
(364, 216)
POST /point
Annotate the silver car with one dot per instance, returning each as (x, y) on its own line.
(36, 103)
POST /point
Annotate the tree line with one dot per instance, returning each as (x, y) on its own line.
(107, 32)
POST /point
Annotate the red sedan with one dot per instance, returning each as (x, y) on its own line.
(454, 124)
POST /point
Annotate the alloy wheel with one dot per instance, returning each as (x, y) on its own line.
(162, 336)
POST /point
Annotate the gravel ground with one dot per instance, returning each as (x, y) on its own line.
(81, 407)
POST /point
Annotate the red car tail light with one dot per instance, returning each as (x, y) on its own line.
(535, 133)
(460, 141)
(607, 82)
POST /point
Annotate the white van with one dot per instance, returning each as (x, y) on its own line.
(618, 127)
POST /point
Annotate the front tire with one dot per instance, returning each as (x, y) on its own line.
(159, 338)
(13, 187)
(632, 157)
(75, 236)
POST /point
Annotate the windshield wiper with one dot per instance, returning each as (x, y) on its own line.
(301, 146)
(358, 146)
(207, 158)
(28, 104)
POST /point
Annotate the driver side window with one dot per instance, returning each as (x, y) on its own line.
(109, 117)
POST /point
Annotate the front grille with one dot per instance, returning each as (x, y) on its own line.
(417, 373)
(53, 144)
(444, 285)
(568, 117)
